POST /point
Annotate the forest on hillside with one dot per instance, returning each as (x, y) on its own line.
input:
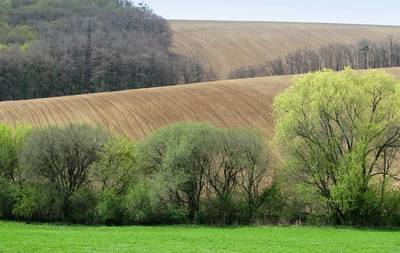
(64, 47)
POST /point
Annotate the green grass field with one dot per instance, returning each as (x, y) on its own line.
(19, 237)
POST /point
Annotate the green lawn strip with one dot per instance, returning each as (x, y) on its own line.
(20, 237)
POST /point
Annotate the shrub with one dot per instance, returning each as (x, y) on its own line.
(110, 209)
(270, 207)
(220, 210)
(7, 198)
(10, 145)
(139, 204)
(37, 202)
(390, 214)
(148, 203)
(83, 206)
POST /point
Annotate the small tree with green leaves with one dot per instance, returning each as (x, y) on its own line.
(115, 169)
(61, 157)
(183, 152)
(113, 175)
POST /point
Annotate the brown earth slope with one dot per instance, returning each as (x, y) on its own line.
(224, 46)
(136, 113)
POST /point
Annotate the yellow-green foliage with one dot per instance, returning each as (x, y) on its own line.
(3, 46)
(338, 131)
(115, 169)
(25, 47)
(10, 143)
(16, 34)
(335, 92)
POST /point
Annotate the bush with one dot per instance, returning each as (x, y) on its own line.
(37, 202)
(139, 204)
(110, 209)
(220, 210)
(83, 206)
(10, 145)
(390, 215)
(145, 203)
(7, 198)
(270, 208)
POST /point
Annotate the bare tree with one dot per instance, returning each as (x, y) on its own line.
(362, 55)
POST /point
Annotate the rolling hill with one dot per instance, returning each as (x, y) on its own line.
(136, 113)
(224, 46)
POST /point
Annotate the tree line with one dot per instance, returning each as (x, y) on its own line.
(185, 173)
(63, 47)
(365, 54)
(337, 142)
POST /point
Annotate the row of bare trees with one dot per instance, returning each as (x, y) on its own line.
(365, 54)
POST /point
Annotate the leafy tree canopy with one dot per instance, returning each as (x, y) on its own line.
(341, 132)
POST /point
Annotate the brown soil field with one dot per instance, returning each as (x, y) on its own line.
(224, 46)
(136, 113)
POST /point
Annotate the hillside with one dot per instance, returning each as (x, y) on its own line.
(225, 46)
(136, 113)
(66, 47)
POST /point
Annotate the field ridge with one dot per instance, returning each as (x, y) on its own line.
(136, 113)
(224, 46)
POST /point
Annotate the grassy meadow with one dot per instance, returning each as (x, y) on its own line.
(20, 237)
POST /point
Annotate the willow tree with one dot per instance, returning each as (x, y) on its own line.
(11, 141)
(341, 134)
